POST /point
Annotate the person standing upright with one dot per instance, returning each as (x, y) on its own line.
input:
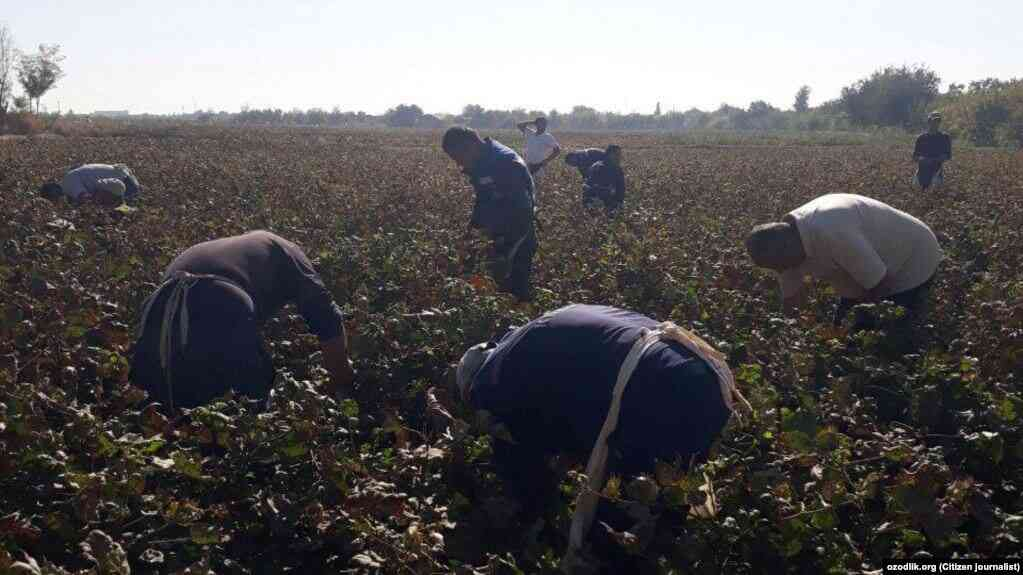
(933, 148)
(541, 147)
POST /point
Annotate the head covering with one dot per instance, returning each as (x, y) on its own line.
(935, 115)
(470, 365)
(112, 186)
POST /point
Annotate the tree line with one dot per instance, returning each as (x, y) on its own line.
(36, 72)
(985, 112)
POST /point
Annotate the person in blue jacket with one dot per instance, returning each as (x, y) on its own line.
(605, 181)
(549, 384)
(504, 206)
(584, 158)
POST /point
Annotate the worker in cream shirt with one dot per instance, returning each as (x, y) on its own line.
(866, 249)
(541, 147)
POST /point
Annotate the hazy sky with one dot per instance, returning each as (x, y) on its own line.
(626, 55)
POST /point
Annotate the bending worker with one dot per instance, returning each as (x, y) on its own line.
(200, 330)
(584, 158)
(504, 205)
(865, 249)
(101, 183)
(599, 382)
(605, 181)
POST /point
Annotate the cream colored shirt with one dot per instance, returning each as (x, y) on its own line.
(853, 242)
(539, 147)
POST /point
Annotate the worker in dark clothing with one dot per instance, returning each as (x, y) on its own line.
(199, 333)
(504, 205)
(933, 148)
(598, 382)
(606, 181)
(583, 159)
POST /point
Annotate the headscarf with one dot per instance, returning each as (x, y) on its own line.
(470, 365)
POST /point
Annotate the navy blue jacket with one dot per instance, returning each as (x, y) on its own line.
(550, 383)
(607, 182)
(504, 193)
(583, 159)
(930, 145)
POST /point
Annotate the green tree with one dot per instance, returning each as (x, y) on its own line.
(473, 115)
(891, 97)
(7, 57)
(38, 72)
(585, 118)
(403, 116)
(802, 103)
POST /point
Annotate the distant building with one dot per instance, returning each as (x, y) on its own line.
(112, 113)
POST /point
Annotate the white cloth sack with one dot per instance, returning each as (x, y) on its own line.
(596, 467)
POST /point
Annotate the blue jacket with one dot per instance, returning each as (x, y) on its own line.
(550, 383)
(607, 182)
(504, 193)
(583, 159)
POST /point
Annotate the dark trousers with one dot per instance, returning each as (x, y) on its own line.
(512, 270)
(605, 196)
(534, 168)
(224, 349)
(926, 172)
(913, 300)
(131, 187)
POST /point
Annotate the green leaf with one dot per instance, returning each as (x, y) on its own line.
(1006, 410)
(350, 408)
(203, 534)
(293, 446)
(749, 373)
(187, 466)
(824, 519)
(913, 538)
(107, 446)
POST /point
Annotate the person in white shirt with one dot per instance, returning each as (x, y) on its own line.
(866, 249)
(541, 147)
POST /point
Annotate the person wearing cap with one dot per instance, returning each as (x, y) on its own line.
(609, 386)
(933, 148)
(866, 249)
(199, 334)
(101, 183)
(605, 181)
(582, 159)
(541, 147)
(504, 207)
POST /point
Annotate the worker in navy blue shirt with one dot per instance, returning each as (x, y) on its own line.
(200, 330)
(605, 181)
(584, 158)
(504, 205)
(933, 148)
(549, 385)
